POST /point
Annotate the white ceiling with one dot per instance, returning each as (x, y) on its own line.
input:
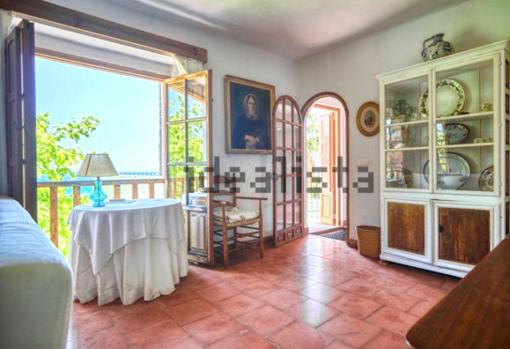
(292, 28)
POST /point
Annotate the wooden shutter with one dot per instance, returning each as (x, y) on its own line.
(20, 116)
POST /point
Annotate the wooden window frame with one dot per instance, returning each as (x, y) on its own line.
(97, 64)
(55, 15)
(119, 69)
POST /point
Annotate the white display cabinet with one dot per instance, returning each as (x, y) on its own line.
(445, 159)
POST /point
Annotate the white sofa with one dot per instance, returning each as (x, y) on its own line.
(35, 284)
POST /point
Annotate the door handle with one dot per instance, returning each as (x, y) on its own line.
(440, 228)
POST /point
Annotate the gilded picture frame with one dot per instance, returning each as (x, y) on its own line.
(367, 119)
(249, 116)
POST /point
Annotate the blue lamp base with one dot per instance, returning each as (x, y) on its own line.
(98, 197)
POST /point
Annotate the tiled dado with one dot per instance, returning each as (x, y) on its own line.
(311, 293)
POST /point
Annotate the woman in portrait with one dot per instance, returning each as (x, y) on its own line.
(250, 130)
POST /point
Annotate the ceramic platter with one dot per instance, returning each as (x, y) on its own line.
(452, 171)
(399, 178)
(486, 181)
(450, 98)
(454, 133)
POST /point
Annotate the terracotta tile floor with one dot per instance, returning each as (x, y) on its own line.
(311, 293)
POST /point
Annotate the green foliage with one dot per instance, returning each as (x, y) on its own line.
(177, 138)
(313, 141)
(57, 146)
(313, 128)
(57, 152)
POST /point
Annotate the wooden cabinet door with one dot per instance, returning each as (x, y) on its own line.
(406, 227)
(464, 234)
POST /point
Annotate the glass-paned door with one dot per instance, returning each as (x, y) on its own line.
(464, 128)
(406, 135)
(188, 156)
(287, 165)
(188, 107)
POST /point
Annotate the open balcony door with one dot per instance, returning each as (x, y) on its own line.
(20, 116)
(288, 186)
(329, 153)
(187, 153)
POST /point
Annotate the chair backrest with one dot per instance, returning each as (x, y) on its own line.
(225, 182)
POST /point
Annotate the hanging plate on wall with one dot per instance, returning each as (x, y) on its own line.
(450, 98)
(453, 171)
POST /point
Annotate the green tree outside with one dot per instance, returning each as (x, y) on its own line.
(57, 152)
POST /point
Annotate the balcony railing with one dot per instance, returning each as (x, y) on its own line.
(139, 188)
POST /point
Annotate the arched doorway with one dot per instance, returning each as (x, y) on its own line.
(326, 158)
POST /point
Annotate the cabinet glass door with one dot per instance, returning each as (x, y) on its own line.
(406, 135)
(464, 128)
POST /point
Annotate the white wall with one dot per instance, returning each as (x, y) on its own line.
(350, 70)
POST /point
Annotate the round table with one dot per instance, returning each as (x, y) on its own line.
(128, 250)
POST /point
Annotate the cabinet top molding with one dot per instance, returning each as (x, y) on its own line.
(445, 62)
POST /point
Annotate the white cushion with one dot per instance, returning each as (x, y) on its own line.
(236, 214)
(35, 284)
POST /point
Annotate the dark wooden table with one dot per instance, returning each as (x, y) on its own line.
(475, 314)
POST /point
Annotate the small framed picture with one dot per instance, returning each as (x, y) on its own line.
(249, 109)
(367, 119)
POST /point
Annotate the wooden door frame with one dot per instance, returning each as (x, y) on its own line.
(304, 110)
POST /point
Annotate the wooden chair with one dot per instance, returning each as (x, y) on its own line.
(247, 226)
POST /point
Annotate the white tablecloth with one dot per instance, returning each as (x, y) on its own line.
(128, 250)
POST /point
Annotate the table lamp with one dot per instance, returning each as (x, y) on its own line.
(97, 165)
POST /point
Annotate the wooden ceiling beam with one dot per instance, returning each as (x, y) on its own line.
(56, 15)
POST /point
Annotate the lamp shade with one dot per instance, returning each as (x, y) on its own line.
(97, 165)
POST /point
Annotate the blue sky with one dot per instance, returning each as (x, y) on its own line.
(128, 108)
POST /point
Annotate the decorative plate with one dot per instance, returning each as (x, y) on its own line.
(452, 171)
(486, 180)
(454, 133)
(450, 98)
(399, 178)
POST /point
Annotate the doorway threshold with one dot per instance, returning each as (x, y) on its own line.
(318, 229)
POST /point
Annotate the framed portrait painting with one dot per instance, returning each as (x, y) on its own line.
(249, 108)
